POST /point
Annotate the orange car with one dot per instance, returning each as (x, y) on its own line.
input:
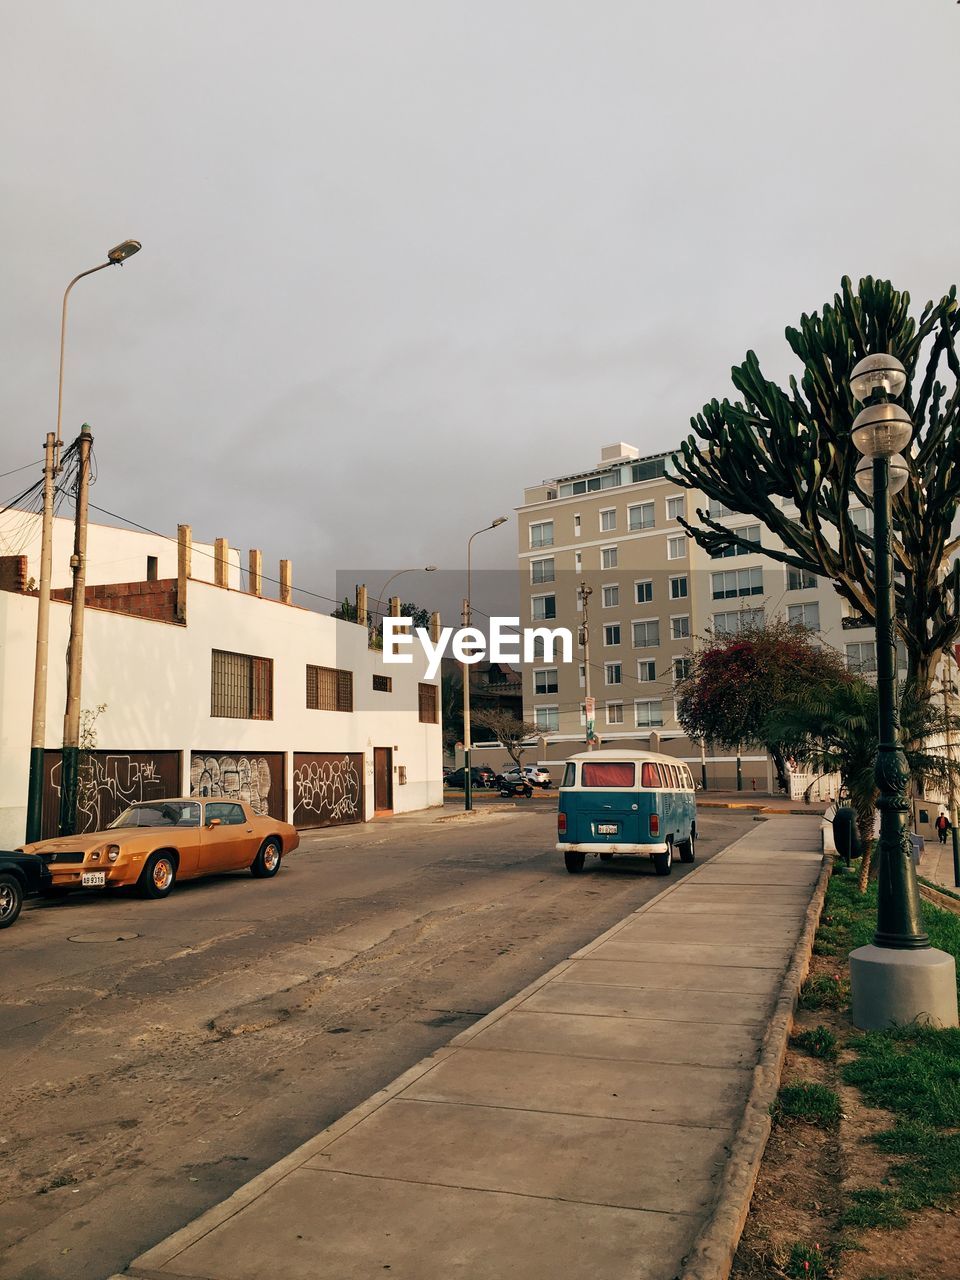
(154, 844)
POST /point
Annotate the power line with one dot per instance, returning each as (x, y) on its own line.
(4, 474)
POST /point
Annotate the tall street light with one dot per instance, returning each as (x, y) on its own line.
(427, 568)
(899, 978)
(467, 777)
(51, 467)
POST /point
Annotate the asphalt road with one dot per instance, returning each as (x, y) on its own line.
(156, 1055)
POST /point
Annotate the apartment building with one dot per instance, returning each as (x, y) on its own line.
(654, 591)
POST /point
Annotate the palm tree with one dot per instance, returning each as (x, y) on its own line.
(832, 728)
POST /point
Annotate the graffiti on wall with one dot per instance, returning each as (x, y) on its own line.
(108, 782)
(245, 778)
(327, 789)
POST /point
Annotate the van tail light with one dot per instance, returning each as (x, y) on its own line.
(654, 824)
(561, 824)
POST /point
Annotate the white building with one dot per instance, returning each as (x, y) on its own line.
(207, 689)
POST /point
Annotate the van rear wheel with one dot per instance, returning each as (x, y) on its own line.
(573, 861)
(687, 849)
(662, 862)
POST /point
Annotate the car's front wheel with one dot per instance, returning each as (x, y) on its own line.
(267, 861)
(158, 877)
(11, 899)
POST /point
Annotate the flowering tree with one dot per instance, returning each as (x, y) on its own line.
(736, 680)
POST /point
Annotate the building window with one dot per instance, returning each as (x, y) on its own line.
(674, 508)
(544, 607)
(429, 703)
(680, 627)
(546, 681)
(383, 684)
(649, 713)
(646, 671)
(541, 535)
(608, 519)
(611, 597)
(612, 673)
(577, 561)
(646, 634)
(862, 656)
(798, 580)
(749, 533)
(609, 480)
(678, 588)
(649, 469)
(608, 558)
(677, 547)
(152, 568)
(329, 689)
(611, 633)
(542, 570)
(614, 713)
(733, 623)
(539, 648)
(576, 526)
(862, 519)
(736, 582)
(717, 510)
(547, 718)
(642, 516)
(804, 615)
(682, 667)
(241, 686)
(643, 592)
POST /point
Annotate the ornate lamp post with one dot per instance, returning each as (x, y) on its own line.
(899, 978)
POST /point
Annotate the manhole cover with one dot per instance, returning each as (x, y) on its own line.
(104, 935)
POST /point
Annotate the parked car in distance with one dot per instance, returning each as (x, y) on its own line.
(20, 877)
(533, 773)
(480, 776)
(154, 844)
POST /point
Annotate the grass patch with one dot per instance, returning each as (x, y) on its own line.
(814, 1103)
(912, 1071)
(825, 991)
(808, 1260)
(820, 1042)
(873, 1207)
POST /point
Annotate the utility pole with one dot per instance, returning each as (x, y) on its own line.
(38, 732)
(703, 763)
(465, 670)
(70, 759)
(589, 705)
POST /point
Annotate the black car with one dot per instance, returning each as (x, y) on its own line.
(480, 776)
(22, 875)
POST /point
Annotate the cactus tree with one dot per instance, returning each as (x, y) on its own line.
(774, 446)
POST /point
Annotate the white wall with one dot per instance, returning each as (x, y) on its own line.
(154, 678)
(113, 555)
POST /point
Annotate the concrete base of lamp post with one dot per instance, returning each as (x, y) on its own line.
(897, 987)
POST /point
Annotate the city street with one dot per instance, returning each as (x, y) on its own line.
(156, 1055)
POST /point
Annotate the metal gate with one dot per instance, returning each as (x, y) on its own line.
(109, 781)
(327, 788)
(254, 777)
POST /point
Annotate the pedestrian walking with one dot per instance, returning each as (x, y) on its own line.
(943, 826)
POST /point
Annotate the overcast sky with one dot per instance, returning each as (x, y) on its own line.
(402, 258)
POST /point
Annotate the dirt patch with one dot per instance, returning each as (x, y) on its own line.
(808, 1174)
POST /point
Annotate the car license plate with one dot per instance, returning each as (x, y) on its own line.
(90, 879)
(607, 828)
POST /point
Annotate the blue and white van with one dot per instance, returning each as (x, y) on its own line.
(626, 802)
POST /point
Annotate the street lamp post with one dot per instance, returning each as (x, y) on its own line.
(899, 978)
(115, 257)
(467, 777)
(427, 568)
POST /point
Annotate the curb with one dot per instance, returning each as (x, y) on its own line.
(713, 1252)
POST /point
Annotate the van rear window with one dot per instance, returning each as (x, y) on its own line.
(608, 773)
(650, 775)
(569, 774)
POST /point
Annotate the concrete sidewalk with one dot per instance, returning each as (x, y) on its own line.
(581, 1129)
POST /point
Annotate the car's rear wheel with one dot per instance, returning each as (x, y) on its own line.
(267, 861)
(573, 861)
(662, 862)
(158, 877)
(11, 899)
(687, 849)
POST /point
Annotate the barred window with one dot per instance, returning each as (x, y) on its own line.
(329, 689)
(241, 686)
(428, 703)
(383, 684)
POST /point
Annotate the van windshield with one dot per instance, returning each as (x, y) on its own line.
(608, 774)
